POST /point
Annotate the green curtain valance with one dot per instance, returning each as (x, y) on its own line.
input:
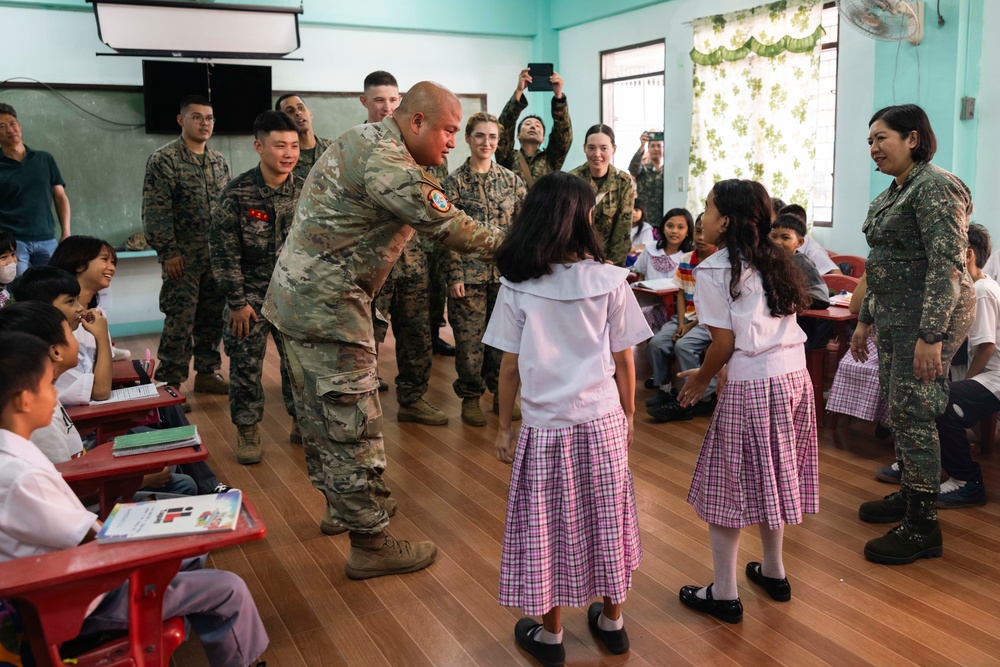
(752, 45)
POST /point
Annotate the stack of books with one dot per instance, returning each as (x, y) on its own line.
(156, 441)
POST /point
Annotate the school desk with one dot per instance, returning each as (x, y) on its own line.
(111, 419)
(667, 295)
(816, 359)
(120, 477)
(54, 590)
(123, 373)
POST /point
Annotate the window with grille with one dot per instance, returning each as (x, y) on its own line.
(632, 95)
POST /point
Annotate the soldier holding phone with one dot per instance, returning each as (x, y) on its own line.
(531, 162)
(647, 168)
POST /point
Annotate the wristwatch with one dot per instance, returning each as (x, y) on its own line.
(932, 337)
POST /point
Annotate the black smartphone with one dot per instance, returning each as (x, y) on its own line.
(540, 73)
(656, 136)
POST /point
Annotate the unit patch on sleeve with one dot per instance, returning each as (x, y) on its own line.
(438, 201)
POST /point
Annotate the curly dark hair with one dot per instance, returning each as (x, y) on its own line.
(748, 207)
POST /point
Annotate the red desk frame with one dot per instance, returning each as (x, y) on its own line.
(111, 419)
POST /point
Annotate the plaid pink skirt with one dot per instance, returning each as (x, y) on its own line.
(855, 389)
(572, 530)
(759, 461)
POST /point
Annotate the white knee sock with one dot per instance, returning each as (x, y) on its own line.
(725, 546)
(772, 565)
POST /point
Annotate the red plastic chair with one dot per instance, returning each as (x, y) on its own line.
(857, 263)
(838, 283)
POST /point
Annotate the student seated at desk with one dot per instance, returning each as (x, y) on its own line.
(789, 233)
(810, 247)
(674, 236)
(8, 264)
(39, 514)
(59, 440)
(90, 378)
(686, 342)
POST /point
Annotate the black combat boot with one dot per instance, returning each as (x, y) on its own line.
(919, 536)
(890, 509)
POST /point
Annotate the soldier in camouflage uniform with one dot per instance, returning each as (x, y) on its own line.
(249, 225)
(365, 197)
(310, 146)
(488, 192)
(920, 299)
(615, 195)
(649, 177)
(183, 180)
(530, 162)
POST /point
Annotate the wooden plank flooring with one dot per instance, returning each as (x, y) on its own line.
(845, 611)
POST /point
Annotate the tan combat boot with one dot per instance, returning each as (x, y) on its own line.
(514, 416)
(331, 526)
(381, 554)
(248, 449)
(210, 383)
(422, 412)
(472, 413)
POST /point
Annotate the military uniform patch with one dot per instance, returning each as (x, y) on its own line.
(260, 215)
(438, 201)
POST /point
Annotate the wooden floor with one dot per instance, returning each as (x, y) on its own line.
(844, 610)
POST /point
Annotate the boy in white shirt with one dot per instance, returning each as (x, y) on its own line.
(39, 514)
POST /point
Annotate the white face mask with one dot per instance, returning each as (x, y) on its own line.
(8, 273)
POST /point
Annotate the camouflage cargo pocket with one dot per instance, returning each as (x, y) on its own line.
(350, 404)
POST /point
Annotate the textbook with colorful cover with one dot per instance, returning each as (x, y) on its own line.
(156, 440)
(172, 517)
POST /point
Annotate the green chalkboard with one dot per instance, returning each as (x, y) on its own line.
(103, 164)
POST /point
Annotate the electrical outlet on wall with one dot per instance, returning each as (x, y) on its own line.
(968, 108)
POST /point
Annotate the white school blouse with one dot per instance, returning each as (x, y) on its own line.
(654, 263)
(766, 346)
(39, 513)
(59, 441)
(76, 385)
(986, 329)
(564, 327)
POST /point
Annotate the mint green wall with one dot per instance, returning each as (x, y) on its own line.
(936, 75)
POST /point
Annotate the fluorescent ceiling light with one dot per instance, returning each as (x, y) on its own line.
(188, 29)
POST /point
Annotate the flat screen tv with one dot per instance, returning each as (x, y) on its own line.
(238, 93)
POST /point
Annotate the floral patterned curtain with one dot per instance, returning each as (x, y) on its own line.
(756, 83)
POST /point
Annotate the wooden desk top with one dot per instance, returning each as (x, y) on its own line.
(835, 313)
(123, 372)
(93, 559)
(657, 292)
(100, 463)
(80, 413)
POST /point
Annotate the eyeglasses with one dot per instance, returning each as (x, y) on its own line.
(199, 119)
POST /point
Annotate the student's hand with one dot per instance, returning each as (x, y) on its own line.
(505, 444)
(926, 361)
(693, 389)
(95, 323)
(720, 380)
(557, 84)
(631, 429)
(240, 321)
(457, 291)
(156, 480)
(174, 267)
(859, 342)
(523, 79)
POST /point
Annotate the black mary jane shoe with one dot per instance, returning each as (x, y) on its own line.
(730, 611)
(616, 641)
(778, 589)
(548, 655)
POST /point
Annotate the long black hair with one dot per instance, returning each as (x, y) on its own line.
(688, 243)
(640, 206)
(748, 207)
(554, 226)
(76, 252)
